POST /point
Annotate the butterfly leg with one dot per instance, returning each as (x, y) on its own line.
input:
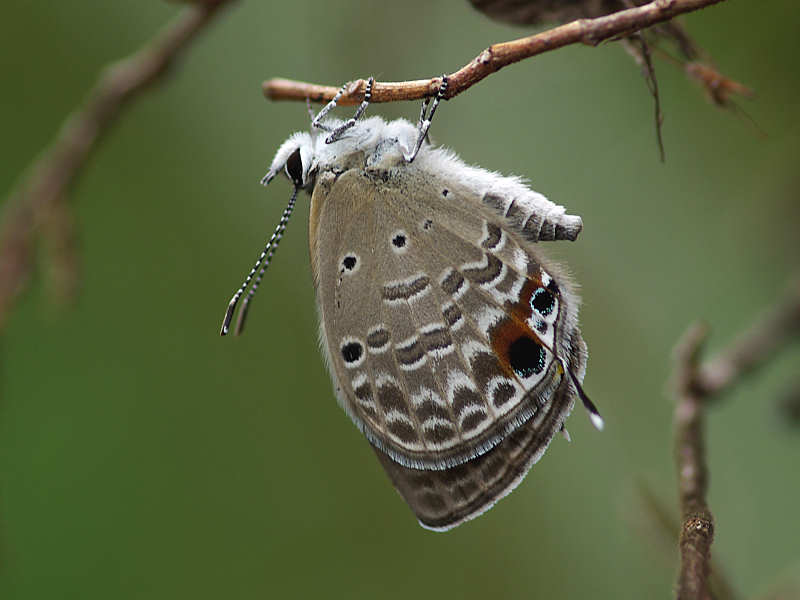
(316, 121)
(425, 119)
(337, 133)
(312, 115)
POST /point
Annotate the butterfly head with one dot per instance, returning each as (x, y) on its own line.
(295, 158)
(371, 143)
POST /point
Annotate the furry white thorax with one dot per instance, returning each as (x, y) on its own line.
(386, 146)
(383, 145)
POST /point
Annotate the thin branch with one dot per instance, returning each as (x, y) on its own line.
(496, 56)
(694, 386)
(49, 178)
(753, 348)
(697, 531)
(644, 59)
(667, 534)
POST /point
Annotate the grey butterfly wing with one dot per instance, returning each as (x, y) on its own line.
(504, 222)
(440, 323)
(444, 499)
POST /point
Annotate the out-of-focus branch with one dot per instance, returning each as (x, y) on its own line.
(697, 530)
(46, 182)
(694, 387)
(662, 531)
(752, 348)
(496, 56)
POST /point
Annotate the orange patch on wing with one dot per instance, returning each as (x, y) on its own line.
(508, 331)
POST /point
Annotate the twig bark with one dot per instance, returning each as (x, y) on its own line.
(664, 528)
(47, 180)
(694, 387)
(496, 56)
(697, 531)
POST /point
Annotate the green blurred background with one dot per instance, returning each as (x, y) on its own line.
(143, 456)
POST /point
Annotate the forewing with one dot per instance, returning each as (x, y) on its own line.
(444, 330)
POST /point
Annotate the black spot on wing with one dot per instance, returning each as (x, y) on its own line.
(352, 351)
(526, 357)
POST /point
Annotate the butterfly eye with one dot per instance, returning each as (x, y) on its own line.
(294, 168)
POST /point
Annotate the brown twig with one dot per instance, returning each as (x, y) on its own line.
(694, 386)
(697, 531)
(48, 179)
(496, 56)
(662, 527)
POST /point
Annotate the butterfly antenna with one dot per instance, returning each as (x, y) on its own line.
(263, 262)
(594, 414)
(273, 248)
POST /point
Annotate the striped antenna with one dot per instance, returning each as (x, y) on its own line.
(263, 262)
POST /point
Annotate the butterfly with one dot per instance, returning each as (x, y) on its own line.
(452, 342)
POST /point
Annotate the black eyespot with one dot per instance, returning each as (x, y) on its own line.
(526, 357)
(445, 192)
(427, 224)
(294, 168)
(351, 352)
(399, 240)
(543, 302)
(349, 262)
